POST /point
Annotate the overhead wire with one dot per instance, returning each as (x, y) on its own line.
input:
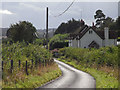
(65, 9)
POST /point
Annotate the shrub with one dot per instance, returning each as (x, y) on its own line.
(103, 56)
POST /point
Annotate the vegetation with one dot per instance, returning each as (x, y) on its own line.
(103, 78)
(101, 22)
(69, 27)
(58, 41)
(100, 17)
(101, 63)
(37, 77)
(22, 31)
(39, 65)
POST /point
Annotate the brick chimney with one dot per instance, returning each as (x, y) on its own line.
(106, 32)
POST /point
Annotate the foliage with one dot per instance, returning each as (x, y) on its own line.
(37, 78)
(99, 17)
(103, 56)
(100, 76)
(58, 41)
(101, 63)
(38, 41)
(22, 31)
(69, 27)
(23, 52)
(27, 52)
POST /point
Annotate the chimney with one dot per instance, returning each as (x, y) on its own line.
(106, 32)
(93, 24)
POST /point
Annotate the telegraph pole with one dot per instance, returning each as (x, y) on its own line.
(47, 28)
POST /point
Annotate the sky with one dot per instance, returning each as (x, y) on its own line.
(35, 12)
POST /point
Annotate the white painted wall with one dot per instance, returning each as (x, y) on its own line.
(74, 43)
(110, 42)
(88, 38)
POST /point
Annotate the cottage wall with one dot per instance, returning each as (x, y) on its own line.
(110, 42)
(74, 43)
(88, 38)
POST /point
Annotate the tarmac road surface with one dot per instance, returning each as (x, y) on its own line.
(71, 78)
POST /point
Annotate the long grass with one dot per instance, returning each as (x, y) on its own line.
(36, 79)
(101, 63)
(38, 74)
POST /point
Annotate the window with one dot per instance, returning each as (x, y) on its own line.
(90, 32)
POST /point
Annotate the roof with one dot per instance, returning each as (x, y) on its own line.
(82, 31)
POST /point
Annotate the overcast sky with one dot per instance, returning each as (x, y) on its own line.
(35, 12)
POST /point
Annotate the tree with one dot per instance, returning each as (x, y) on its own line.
(69, 27)
(22, 31)
(58, 41)
(100, 17)
(108, 22)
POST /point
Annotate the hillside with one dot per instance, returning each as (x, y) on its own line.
(40, 32)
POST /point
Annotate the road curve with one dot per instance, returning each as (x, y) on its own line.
(71, 78)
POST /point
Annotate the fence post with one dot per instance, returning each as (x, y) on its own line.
(11, 69)
(2, 65)
(45, 62)
(26, 68)
(32, 63)
(39, 62)
(35, 63)
(19, 64)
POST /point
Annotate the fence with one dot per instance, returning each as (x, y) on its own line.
(35, 64)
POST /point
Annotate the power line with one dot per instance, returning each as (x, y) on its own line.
(65, 9)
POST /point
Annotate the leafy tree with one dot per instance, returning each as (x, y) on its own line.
(58, 41)
(22, 31)
(69, 27)
(100, 17)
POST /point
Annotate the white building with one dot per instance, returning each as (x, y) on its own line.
(89, 37)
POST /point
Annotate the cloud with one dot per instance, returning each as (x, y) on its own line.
(31, 6)
(59, 0)
(5, 12)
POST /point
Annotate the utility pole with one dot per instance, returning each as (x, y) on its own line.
(47, 28)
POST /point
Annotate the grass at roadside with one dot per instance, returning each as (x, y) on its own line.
(103, 79)
(36, 79)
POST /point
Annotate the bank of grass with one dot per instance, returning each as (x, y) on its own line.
(101, 63)
(36, 79)
(103, 79)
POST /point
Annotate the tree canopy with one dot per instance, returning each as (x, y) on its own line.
(58, 41)
(100, 17)
(69, 27)
(22, 31)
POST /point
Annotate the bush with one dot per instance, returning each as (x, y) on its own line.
(38, 41)
(58, 41)
(23, 52)
(103, 56)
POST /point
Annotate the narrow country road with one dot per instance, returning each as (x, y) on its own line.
(71, 78)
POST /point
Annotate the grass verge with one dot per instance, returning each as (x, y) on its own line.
(103, 79)
(36, 79)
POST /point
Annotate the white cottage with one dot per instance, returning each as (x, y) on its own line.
(89, 37)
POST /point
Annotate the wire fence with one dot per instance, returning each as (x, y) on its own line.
(11, 65)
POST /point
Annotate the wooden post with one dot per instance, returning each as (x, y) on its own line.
(35, 63)
(32, 63)
(47, 28)
(11, 69)
(39, 62)
(26, 68)
(2, 65)
(19, 64)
